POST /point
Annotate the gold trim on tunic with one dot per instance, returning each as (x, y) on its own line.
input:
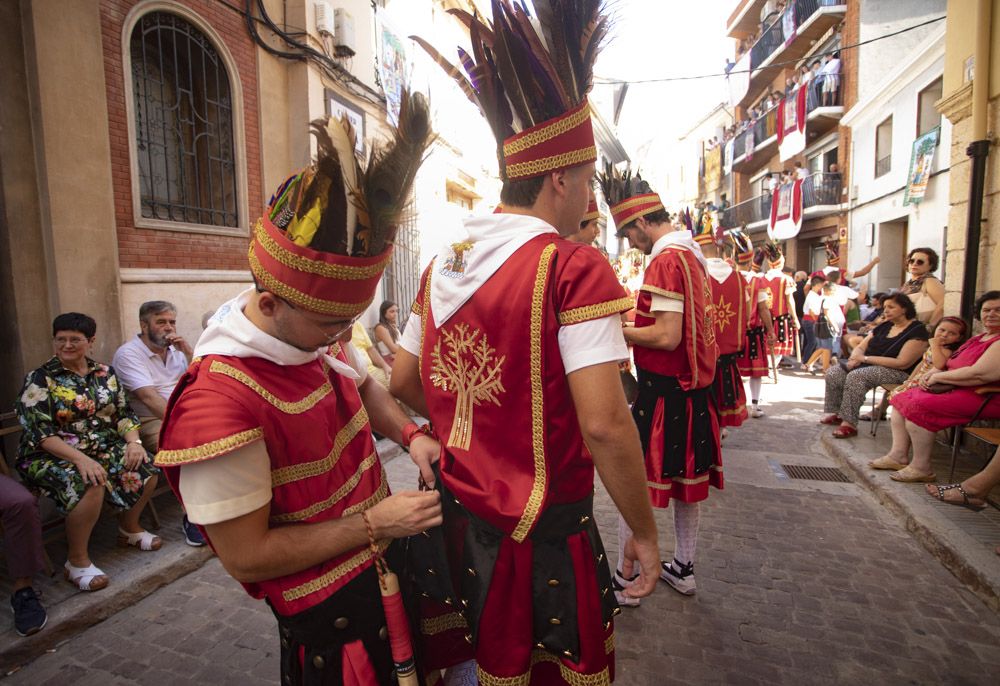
(534, 504)
(331, 577)
(205, 451)
(284, 475)
(438, 625)
(596, 311)
(673, 295)
(571, 677)
(334, 498)
(286, 406)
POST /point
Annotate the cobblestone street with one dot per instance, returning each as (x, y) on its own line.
(798, 582)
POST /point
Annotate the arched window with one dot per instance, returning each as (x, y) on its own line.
(182, 108)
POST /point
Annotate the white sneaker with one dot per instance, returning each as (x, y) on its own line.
(756, 412)
(682, 582)
(619, 584)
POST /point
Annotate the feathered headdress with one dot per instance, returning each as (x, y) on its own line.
(832, 253)
(327, 233)
(759, 257)
(630, 197)
(742, 247)
(773, 252)
(705, 231)
(531, 83)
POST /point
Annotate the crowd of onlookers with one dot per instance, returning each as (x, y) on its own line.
(89, 434)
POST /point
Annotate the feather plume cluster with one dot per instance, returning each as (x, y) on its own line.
(772, 250)
(342, 206)
(619, 185)
(526, 70)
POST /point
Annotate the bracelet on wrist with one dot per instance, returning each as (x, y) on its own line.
(412, 430)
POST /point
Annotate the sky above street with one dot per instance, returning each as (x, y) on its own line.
(657, 39)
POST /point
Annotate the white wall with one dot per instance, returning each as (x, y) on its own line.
(880, 17)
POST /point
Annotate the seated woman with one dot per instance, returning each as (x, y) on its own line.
(886, 355)
(949, 335)
(81, 446)
(387, 331)
(925, 290)
(919, 413)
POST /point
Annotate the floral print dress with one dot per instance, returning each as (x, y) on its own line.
(90, 413)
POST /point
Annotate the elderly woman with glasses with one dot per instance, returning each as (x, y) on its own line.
(925, 290)
(80, 447)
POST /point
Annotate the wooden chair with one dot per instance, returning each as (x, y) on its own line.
(883, 406)
(985, 434)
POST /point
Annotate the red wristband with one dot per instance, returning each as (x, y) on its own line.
(413, 429)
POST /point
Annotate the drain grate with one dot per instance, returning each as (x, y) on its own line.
(799, 471)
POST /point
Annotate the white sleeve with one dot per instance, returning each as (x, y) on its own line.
(592, 342)
(762, 296)
(131, 371)
(228, 486)
(410, 339)
(661, 303)
(358, 361)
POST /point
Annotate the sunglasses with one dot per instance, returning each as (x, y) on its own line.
(914, 260)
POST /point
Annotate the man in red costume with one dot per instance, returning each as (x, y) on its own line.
(675, 352)
(782, 291)
(267, 438)
(513, 352)
(759, 337)
(731, 298)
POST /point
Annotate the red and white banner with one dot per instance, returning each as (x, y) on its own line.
(792, 125)
(786, 212)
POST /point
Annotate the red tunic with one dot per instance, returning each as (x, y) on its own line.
(753, 361)
(677, 421)
(779, 286)
(323, 459)
(731, 298)
(497, 394)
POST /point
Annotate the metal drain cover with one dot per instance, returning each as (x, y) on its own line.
(799, 471)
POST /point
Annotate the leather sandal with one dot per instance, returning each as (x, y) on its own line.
(85, 578)
(909, 475)
(143, 540)
(831, 419)
(886, 462)
(845, 432)
(972, 502)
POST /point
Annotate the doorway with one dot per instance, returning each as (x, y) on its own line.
(892, 242)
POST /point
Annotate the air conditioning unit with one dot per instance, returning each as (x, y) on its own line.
(343, 33)
(324, 18)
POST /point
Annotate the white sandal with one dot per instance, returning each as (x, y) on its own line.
(142, 540)
(85, 578)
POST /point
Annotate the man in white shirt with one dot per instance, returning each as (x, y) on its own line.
(149, 365)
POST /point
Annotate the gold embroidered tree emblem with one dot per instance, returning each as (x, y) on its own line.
(470, 369)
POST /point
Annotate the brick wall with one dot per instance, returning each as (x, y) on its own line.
(163, 249)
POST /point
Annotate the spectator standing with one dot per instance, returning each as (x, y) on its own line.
(926, 290)
(811, 306)
(149, 365)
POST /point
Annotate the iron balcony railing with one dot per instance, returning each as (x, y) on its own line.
(774, 35)
(818, 190)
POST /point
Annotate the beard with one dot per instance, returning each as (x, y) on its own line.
(160, 341)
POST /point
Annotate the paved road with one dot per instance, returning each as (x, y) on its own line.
(798, 582)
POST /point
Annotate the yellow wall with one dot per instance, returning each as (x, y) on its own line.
(959, 44)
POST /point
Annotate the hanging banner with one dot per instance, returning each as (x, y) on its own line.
(786, 212)
(739, 79)
(792, 125)
(727, 157)
(921, 160)
(748, 141)
(392, 67)
(713, 169)
(788, 28)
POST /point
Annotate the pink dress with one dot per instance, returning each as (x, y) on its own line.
(935, 412)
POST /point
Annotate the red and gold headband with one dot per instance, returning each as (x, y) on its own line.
(558, 143)
(322, 282)
(637, 206)
(592, 212)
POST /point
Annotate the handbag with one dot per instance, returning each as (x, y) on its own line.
(823, 328)
(938, 388)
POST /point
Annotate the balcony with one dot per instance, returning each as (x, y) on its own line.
(744, 19)
(821, 196)
(789, 38)
(755, 147)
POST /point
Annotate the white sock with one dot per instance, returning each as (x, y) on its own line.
(755, 384)
(686, 516)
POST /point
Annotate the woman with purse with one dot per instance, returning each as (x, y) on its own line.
(886, 355)
(944, 399)
(827, 326)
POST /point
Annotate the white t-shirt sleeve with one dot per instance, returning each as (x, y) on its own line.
(762, 296)
(661, 303)
(592, 342)
(228, 486)
(410, 339)
(131, 368)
